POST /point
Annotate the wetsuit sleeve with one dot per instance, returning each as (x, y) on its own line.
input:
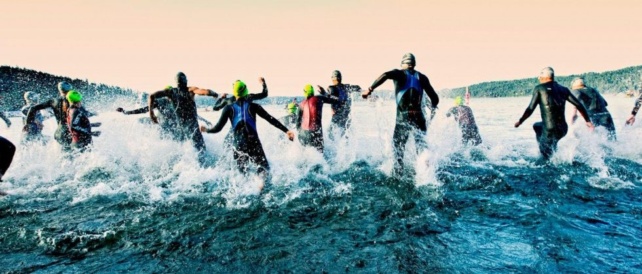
(450, 112)
(76, 116)
(329, 100)
(137, 111)
(580, 107)
(261, 112)
(259, 96)
(535, 100)
(299, 118)
(382, 79)
(225, 115)
(3, 117)
(430, 91)
(220, 104)
(31, 115)
(638, 103)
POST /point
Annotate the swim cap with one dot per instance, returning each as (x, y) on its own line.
(31, 97)
(64, 86)
(181, 79)
(74, 96)
(409, 59)
(336, 75)
(459, 101)
(168, 87)
(239, 89)
(308, 90)
(292, 108)
(578, 82)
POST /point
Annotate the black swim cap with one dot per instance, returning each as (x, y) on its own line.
(409, 59)
(181, 79)
(336, 75)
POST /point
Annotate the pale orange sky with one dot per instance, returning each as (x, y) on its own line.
(142, 44)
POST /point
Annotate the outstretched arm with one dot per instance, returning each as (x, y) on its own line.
(273, 121)
(531, 107)
(221, 103)
(135, 111)
(382, 79)
(31, 115)
(202, 91)
(225, 115)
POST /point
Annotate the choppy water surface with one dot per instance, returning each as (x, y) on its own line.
(137, 203)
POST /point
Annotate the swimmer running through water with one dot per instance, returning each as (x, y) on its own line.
(246, 144)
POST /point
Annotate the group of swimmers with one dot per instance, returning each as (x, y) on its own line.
(174, 108)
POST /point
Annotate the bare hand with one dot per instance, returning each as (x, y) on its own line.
(631, 120)
(290, 135)
(590, 126)
(518, 124)
(120, 110)
(262, 80)
(203, 129)
(224, 95)
(365, 94)
(153, 117)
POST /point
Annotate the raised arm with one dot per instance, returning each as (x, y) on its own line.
(531, 107)
(263, 94)
(226, 114)
(152, 102)
(636, 107)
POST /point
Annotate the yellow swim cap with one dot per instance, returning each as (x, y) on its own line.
(239, 89)
(308, 90)
(459, 101)
(292, 108)
(168, 87)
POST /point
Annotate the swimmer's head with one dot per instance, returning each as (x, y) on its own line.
(292, 108)
(577, 83)
(459, 101)
(181, 80)
(308, 90)
(336, 76)
(74, 96)
(168, 87)
(547, 74)
(64, 87)
(31, 97)
(239, 89)
(408, 61)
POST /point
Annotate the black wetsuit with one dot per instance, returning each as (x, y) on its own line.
(409, 88)
(466, 120)
(309, 121)
(341, 116)
(32, 131)
(7, 150)
(59, 107)
(79, 127)
(551, 98)
(596, 107)
(187, 119)
(245, 138)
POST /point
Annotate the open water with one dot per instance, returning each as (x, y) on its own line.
(138, 203)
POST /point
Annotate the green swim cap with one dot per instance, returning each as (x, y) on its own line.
(239, 89)
(308, 90)
(459, 101)
(74, 96)
(168, 87)
(292, 108)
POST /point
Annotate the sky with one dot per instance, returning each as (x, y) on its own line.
(141, 44)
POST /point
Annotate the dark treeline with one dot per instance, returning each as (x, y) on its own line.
(615, 81)
(15, 81)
